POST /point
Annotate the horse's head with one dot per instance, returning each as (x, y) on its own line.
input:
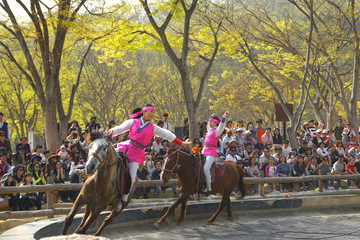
(98, 150)
(171, 165)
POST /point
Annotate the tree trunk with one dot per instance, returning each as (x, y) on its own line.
(51, 130)
(291, 131)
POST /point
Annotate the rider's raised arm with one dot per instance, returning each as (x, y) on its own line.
(125, 126)
(164, 133)
(221, 127)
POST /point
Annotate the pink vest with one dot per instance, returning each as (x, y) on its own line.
(142, 136)
(210, 144)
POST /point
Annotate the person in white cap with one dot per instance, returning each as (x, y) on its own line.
(317, 138)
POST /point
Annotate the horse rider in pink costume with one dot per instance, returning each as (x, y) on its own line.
(141, 133)
(214, 130)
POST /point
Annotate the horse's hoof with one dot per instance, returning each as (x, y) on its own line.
(230, 218)
(157, 225)
(210, 222)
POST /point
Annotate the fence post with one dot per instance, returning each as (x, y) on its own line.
(320, 183)
(261, 189)
(50, 196)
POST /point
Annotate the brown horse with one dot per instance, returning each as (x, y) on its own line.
(184, 165)
(101, 188)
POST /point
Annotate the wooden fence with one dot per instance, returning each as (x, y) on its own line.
(51, 188)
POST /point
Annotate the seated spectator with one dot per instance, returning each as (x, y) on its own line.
(29, 199)
(271, 171)
(34, 159)
(324, 169)
(156, 144)
(4, 165)
(303, 147)
(322, 151)
(142, 174)
(14, 199)
(163, 150)
(50, 164)
(156, 176)
(24, 143)
(84, 144)
(253, 171)
(308, 140)
(249, 138)
(39, 151)
(149, 161)
(20, 157)
(357, 167)
(284, 170)
(66, 144)
(317, 138)
(313, 169)
(266, 138)
(76, 175)
(331, 137)
(63, 154)
(286, 149)
(240, 140)
(339, 168)
(278, 152)
(248, 152)
(232, 157)
(263, 161)
(351, 170)
(38, 178)
(228, 138)
(92, 125)
(58, 175)
(233, 143)
(334, 154)
(355, 151)
(299, 171)
(19, 173)
(5, 144)
(197, 146)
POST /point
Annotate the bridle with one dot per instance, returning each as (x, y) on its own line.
(177, 165)
(102, 161)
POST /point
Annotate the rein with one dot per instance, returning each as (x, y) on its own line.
(176, 166)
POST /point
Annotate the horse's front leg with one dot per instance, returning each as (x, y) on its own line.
(91, 218)
(224, 199)
(68, 220)
(181, 198)
(108, 220)
(182, 214)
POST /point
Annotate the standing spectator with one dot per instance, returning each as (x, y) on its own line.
(249, 139)
(250, 127)
(284, 170)
(110, 125)
(29, 199)
(331, 137)
(163, 150)
(259, 130)
(14, 200)
(92, 125)
(74, 126)
(286, 149)
(339, 168)
(324, 169)
(312, 127)
(308, 140)
(317, 138)
(4, 126)
(142, 174)
(277, 138)
(149, 163)
(24, 143)
(74, 137)
(203, 129)
(6, 144)
(271, 171)
(240, 138)
(232, 157)
(350, 132)
(339, 129)
(306, 126)
(185, 129)
(165, 119)
(351, 170)
(266, 138)
(156, 145)
(253, 171)
(230, 126)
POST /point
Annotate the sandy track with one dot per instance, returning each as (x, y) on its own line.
(324, 224)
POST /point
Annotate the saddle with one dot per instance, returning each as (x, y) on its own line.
(216, 171)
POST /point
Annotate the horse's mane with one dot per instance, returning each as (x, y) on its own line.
(95, 135)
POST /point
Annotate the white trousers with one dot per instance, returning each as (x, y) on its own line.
(209, 161)
(133, 167)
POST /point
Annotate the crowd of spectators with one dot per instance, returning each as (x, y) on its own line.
(261, 151)
(264, 152)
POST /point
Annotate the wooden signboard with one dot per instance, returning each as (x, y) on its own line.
(280, 115)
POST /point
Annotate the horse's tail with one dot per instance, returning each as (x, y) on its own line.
(241, 185)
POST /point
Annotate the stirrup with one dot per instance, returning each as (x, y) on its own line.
(118, 205)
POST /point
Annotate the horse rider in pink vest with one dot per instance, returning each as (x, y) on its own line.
(214, 130)
(141, 133)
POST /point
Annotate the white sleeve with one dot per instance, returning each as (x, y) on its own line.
(164, 133)
(220, 128)
(122, 127)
